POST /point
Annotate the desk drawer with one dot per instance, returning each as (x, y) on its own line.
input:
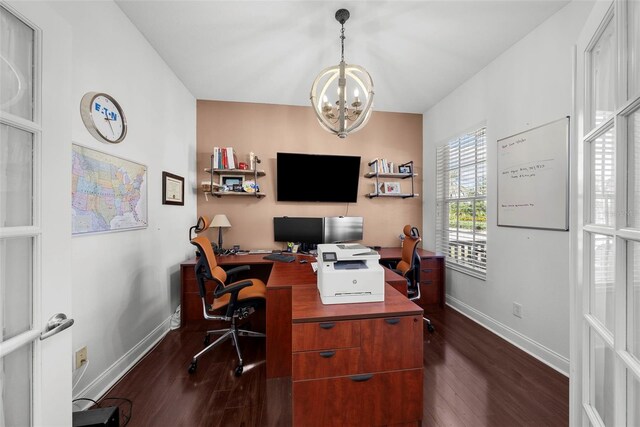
(391, 343)
(325, 335)
(360, 400)
(429, 269)
(310, 365)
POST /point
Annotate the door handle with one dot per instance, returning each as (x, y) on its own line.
(57, 323)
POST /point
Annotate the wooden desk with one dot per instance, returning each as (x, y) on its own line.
(356, 364)
(280, 278)
(432, 284)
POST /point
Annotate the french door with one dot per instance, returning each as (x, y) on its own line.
(35, 218)
(606, 387)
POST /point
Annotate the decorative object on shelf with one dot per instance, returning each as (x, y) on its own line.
(250, 186)
(392, 188)
(243, 166)
(221, 221)
(103, 117)
(404, 169)
(347, 115)
(172, 189)
(227, 182)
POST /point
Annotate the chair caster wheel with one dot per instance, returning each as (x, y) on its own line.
(193, 366)
(239, 369)
(207, 340)
(430, 328)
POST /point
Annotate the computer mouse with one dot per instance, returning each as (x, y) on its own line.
(303, 261)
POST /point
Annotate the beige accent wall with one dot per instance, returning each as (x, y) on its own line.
(267, 129)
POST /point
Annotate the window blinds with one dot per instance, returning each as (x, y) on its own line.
(461, 203)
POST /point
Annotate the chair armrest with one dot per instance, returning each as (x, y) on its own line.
(234, 288)
(231, 273)
(397, 271)
(237, 269)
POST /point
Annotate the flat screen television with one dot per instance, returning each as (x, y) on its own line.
(317, 178)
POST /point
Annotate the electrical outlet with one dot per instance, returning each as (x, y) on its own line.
(81, 357)
(517, 310)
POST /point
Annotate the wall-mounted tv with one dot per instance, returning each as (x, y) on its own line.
(317, 178)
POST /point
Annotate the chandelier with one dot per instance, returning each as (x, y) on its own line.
(352, 87)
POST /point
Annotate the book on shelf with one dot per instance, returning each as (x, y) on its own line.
(224, 158)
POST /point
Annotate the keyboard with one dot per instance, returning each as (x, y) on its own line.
(280, 257)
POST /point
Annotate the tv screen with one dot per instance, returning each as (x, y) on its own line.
(317, 178)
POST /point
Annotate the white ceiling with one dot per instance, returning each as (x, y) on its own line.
(270, 51)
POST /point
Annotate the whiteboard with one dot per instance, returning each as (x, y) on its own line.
(533, 178)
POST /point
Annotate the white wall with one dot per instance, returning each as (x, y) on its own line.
(126, 284)
(528, 85)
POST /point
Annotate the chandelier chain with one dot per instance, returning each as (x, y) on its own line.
(342, 42)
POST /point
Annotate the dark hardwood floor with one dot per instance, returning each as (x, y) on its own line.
(471, 378)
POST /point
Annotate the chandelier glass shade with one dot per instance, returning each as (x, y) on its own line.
(342, 95)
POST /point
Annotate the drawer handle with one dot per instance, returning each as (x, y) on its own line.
(426, 282)
(361, 378)
(392, 321)
(327, 325)
(327, 354)
(427, 270)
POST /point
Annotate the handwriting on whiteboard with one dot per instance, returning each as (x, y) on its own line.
(528, 170)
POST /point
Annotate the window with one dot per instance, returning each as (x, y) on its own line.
(461, 218)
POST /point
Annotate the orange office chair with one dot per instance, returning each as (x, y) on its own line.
(409, 266)
(237, 299)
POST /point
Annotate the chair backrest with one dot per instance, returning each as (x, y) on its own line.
(409, 249)
(201, 225)
(207, 267)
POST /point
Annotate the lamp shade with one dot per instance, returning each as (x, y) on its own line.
(220, 221)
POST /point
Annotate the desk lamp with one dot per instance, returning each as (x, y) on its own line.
(221, 221)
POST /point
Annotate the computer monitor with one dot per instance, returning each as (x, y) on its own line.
(343, 229)
(298, 230)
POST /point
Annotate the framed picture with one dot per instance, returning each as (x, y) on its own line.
(231, 182)
(404, 169)
(392, 188)
(172, 189)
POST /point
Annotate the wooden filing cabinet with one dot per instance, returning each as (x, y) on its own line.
(365, 372)
(432, 281)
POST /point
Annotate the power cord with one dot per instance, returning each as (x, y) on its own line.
(85, 365)
(124, 416)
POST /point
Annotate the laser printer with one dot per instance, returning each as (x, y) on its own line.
(349, 273)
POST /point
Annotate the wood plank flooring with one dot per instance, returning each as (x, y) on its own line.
(471, 378)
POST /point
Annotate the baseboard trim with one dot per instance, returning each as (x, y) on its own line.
(98, 387)
(524, 343)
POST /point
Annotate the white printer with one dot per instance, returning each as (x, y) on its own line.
(349, 273)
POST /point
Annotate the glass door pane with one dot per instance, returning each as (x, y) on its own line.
(633, 299)
(603, 75)
(16, 286)
(603, 179)
(16, 66)
(633, 38)
(633, 155)
(16, 177)
(602, 359)
(15, 387)
(633, 400)
(602, 290)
